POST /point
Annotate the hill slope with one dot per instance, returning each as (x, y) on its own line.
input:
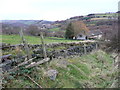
(94, 70)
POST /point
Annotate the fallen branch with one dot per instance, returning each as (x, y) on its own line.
(33, 81)
(38, 63)
(17, 67)
(26, 62)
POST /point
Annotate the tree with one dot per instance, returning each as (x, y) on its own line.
(79, 28)
(69, 32)
(114, 44)
(10, 29)
(33, 30)
(75, 28)
(59, 34)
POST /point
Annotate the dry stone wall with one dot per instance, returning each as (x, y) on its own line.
(70, 49)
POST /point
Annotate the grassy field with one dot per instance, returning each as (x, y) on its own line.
(55, 29)
(16, 39)
(107, 14)
(93, 70)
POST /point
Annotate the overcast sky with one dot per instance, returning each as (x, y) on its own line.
(53, 9)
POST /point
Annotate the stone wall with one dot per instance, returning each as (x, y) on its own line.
(70, 49)
(8, 46)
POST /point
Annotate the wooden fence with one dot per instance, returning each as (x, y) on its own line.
(73, 48)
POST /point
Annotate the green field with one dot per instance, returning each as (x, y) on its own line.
(16, 39)
(55, 29)
(107, 14)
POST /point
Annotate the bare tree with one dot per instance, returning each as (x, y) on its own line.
(33, 30)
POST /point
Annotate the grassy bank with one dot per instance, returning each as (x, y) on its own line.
(93, 70)
(15, 39)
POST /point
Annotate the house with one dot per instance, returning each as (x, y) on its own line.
(80, 37)
(96, 34)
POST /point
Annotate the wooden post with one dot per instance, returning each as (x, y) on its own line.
(43, 45)
(65, 53)
(21, 35)
(85, 51)
(25, 44)
(1, 72)
(96, 46)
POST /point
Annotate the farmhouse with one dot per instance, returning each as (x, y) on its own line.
(96, 34)
(80, 37)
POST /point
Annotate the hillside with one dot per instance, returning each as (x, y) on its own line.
(39, 22)
(101, 22)
(48, 60)
(26, 22)
(94, 70)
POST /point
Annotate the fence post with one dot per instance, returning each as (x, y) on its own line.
(43, 45)
(25, 44)
(85, 51)
(1, 72)
(96, 46)
(65, 53)
(1, 76)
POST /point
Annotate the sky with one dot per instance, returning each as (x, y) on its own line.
(53, 10)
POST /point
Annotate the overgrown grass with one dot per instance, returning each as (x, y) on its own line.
(16, 39)
(92, 70)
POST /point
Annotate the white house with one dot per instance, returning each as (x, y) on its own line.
(95, 35)
(80, 37)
